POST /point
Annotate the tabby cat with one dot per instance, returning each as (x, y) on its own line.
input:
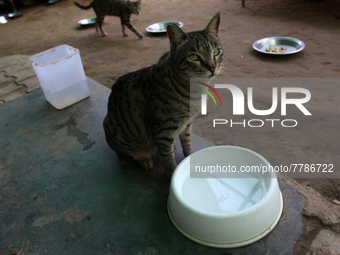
(148, 108)
(118, 8)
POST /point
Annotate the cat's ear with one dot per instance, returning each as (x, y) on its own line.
(176, 35)
(213, 25)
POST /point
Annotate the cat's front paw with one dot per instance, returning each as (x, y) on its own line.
(186, 150)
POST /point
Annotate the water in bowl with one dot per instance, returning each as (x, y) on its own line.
(223, 195)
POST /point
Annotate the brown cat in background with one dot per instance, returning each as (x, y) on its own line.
(118, 8)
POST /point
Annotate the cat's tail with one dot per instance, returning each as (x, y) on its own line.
(82, 6)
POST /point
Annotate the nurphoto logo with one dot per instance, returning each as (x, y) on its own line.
(300, 97)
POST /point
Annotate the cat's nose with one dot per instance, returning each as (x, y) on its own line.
(212, 69)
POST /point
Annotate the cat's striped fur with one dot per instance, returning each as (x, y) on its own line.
(148, 108)
(119, 8)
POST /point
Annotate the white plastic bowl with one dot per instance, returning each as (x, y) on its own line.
(224, 212)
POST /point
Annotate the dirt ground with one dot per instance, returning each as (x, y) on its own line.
(317, 23)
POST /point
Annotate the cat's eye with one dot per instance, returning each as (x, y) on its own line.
(217, 52)
(194, 57)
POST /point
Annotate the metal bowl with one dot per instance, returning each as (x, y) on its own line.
(52, 2)
(292, 45)
(14, 15)
(160, 27)
(87, 22)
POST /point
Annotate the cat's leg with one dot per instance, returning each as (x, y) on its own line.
(99, 23)
(184, 137)
(165, 148)
(96, 25)
(129, 26)
(123, 29)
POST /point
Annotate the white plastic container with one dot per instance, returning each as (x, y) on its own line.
(61, 76)
(225, 212)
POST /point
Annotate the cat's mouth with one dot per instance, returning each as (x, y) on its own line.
(209, 74)
(213, 74)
